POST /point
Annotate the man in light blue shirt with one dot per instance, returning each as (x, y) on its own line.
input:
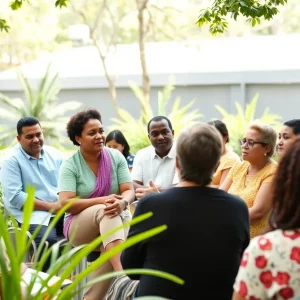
(30, 162)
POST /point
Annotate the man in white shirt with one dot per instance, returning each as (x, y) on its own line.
(154, 166)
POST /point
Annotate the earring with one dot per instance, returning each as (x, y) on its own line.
(265, 154)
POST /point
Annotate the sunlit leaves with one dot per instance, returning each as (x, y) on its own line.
(253, 10)
(17, 4)
(4, 26)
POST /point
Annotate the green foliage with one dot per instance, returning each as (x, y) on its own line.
(41, 103)
(253, 10)
(180, 116)
(17, 4)
(64, 264)
(237, 124)
(3, 25)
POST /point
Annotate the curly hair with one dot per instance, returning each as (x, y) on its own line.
(76, 124)
(286, 191)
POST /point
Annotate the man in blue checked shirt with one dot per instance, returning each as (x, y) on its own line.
(30, 162)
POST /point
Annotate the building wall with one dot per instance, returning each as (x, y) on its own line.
(282, 97)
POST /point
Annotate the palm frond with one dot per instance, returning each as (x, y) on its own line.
(238, 123)
(28, 92)
(61, 109)
(42, 103)
(164, 96)
(251, 108)
(180, 116)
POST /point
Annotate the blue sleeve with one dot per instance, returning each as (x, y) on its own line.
(12, 185)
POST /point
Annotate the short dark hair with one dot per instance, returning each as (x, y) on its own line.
(294, 124)
(25, 122)
(157, 119)
(119, 137)
(199, 149)
(221, 128)
(286, 192)
(76, 124)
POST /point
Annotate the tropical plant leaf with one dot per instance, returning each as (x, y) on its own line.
(180, 116)
(238, 123)
(42, 103)
(65, 263)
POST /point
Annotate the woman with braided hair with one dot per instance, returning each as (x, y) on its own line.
(270, 268)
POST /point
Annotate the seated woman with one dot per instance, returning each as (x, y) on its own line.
(287, 135)
(228, 158)
(251, 179)
(116, 140)
(99, 177)
(270, 265)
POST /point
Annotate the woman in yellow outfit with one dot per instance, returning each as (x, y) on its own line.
(251, 179)
(228, 158)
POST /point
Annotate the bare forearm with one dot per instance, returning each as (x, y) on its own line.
(43, 205)
(138, 184)
(256, 214)
(81, 204)
(128, 195)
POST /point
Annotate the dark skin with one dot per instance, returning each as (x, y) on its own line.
(91, 142)
(161, 137)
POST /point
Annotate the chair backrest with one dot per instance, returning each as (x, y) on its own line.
(29, 257)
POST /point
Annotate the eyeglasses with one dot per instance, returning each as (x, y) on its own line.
(250, 143)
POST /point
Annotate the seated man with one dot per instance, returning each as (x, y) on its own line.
(30, 162)
(207, 228)
(154, 166)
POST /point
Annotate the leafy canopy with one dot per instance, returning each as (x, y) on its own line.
(17, 4)
(253, 10)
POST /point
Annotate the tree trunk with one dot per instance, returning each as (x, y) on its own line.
(110, 79)
(142, 6)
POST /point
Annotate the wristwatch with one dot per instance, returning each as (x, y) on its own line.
(126, 204)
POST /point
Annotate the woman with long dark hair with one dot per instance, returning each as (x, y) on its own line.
(116, 140)
(270, 268)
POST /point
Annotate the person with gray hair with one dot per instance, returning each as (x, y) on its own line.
(207, 228)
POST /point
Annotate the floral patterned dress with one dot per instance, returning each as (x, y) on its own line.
(270, 267)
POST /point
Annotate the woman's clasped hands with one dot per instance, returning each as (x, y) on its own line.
(114, 205)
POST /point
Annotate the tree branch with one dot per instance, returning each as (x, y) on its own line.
(110, 79)
(142, 6)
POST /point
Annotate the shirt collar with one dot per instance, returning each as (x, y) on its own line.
(29, 156)
(171, 154)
